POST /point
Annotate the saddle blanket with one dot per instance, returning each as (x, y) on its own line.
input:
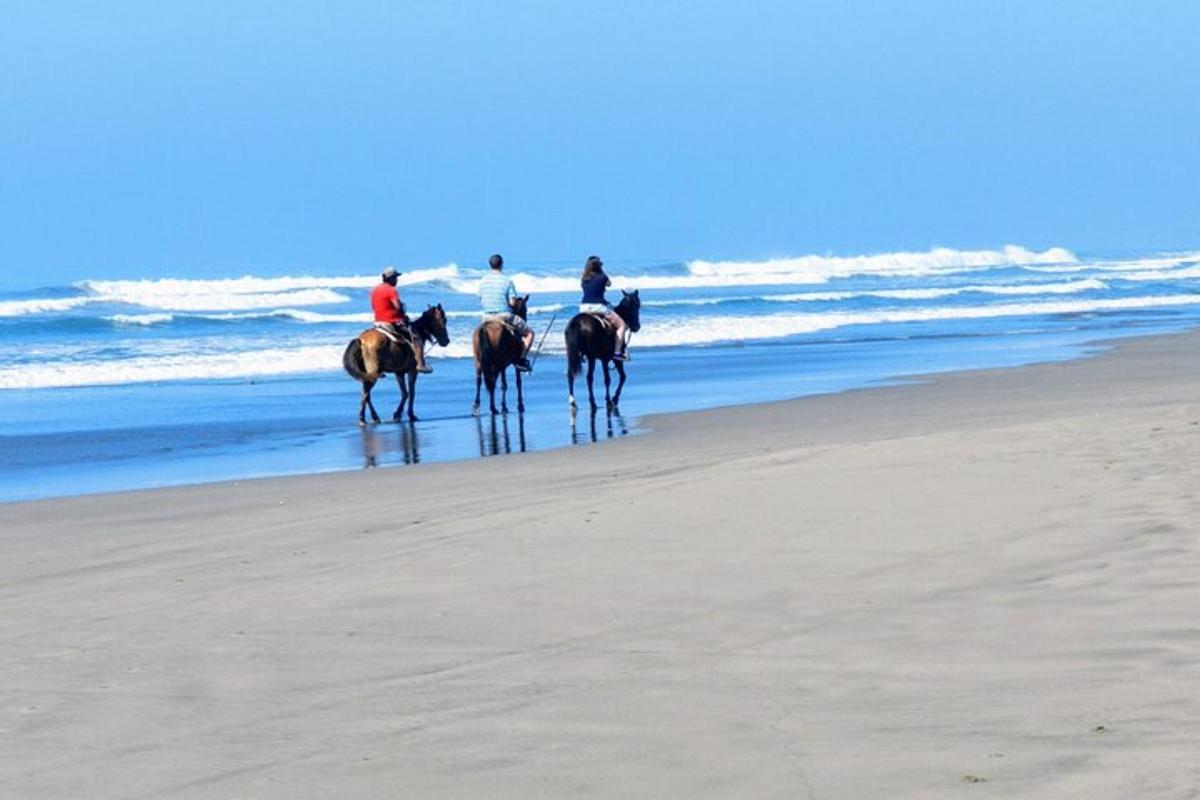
(601, 319)
(390, 332)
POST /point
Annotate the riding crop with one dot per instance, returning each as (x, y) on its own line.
(545, 333)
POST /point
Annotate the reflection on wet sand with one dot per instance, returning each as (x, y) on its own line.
(496, 440)
(614, 426)
(380, 440)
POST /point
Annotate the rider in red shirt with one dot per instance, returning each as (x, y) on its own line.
(389, 313)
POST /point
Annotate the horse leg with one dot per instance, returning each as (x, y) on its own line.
(504, 390)
(478, 371)
(570, 388)
(520, 396)
(365, 403)
(412, 396)
(374, 413)
(616, 401)
(591, 372)
(621, 383)
(399, 412)
(608, 403)
(362, 404)
(489, 378)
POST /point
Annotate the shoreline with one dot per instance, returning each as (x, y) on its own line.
(988, 578)
(502, 442)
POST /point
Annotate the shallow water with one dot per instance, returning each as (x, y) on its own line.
(77, 440)
(111, 385)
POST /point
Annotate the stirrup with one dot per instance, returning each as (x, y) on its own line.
(621, 356)
(523, 365)
(424, 369)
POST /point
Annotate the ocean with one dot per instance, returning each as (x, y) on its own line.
(109, 385)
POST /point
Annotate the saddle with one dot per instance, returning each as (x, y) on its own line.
(389, 330)
(602, 319)
(502, 323)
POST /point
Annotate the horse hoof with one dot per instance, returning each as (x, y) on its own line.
(413, 418)
(474, 411)
(362, 423)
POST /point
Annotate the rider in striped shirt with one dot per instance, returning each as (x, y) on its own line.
(496, 293)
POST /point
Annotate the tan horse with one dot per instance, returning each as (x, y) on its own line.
(497, 347)
(372, 354)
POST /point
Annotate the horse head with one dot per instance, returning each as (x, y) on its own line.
(520, 306)
(630, 309)
(432, 322)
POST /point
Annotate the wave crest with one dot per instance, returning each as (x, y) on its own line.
(820, 269)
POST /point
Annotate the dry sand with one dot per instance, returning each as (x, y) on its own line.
(986, 586)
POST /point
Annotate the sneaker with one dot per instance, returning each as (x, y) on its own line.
(424, 369)
(620, 356)
(523, 365)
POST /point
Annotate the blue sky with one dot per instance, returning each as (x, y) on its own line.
(202, 139)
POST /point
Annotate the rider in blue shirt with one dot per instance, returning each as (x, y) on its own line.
(594, 281)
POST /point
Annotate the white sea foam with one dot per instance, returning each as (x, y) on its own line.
(819, 269)
(249, 292)
(144, 369)
(18, 308)
(1161, 262)
(140, 319)
(812, 269)
(774, 326)
(1066, 287)
(185, 365)
(227, 302)
(1181, 273)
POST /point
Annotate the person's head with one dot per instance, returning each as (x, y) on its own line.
(389, 275)
(592, 267)
(496, 262)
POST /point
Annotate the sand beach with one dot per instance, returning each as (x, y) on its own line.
(980, 585)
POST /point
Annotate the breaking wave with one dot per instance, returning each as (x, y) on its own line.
(672, 333)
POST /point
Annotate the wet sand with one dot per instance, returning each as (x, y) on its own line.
(986, 585)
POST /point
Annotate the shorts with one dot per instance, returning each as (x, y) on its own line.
(519, 325)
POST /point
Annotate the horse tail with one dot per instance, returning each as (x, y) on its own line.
(488, 356)
(574, 349)
(352, 360)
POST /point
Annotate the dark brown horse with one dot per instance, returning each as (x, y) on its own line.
(497, 347)
(373, 353)
(588, 337)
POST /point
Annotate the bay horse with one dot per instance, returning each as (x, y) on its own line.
(372, 354)
(497, 347)
(588, 337)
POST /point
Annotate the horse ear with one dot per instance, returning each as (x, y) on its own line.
(525, 298)
(624, 293)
